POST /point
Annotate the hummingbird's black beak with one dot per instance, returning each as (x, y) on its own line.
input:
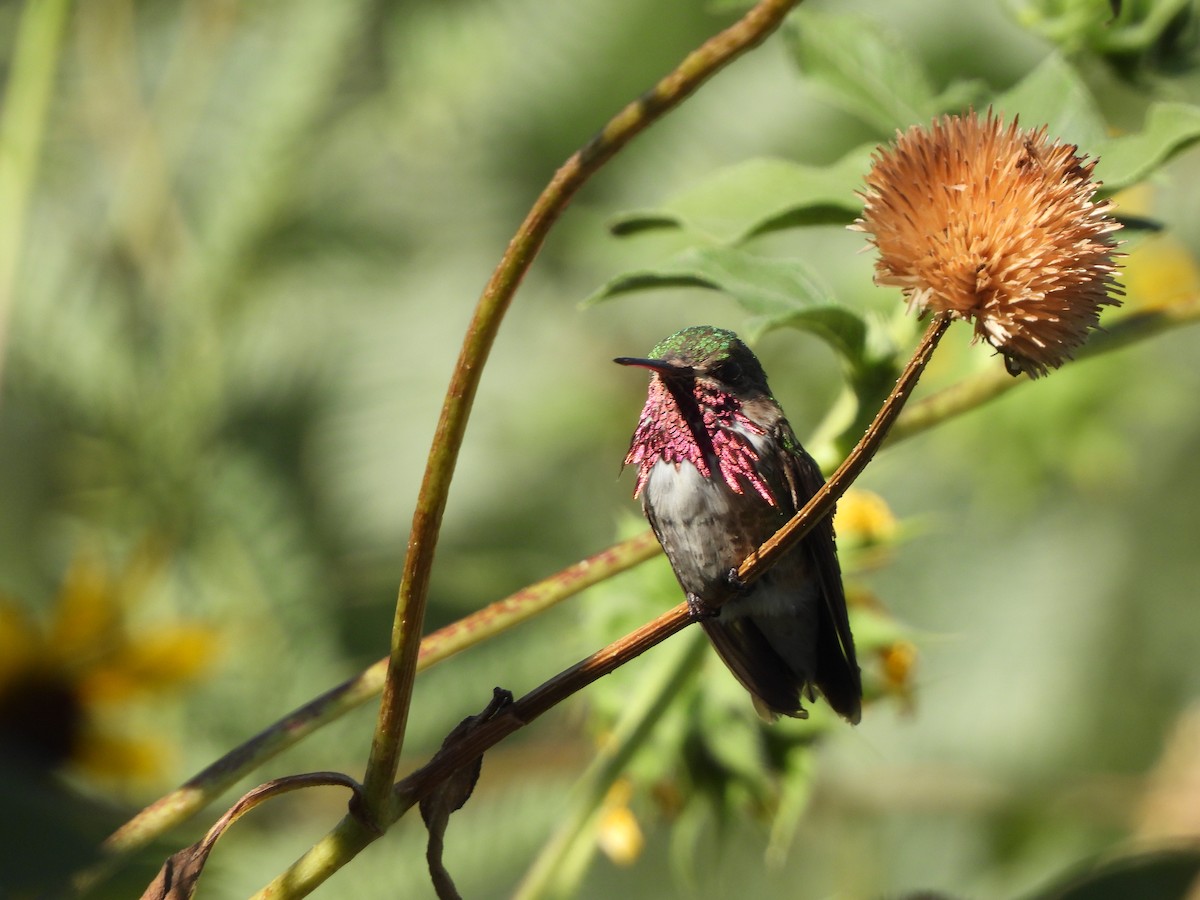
(661, 366)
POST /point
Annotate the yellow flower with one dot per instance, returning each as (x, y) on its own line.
(864, 518)
(619, 835)
(1160, 271)
(60, 681)
(867, 531)
(899, 660)
(997, 226)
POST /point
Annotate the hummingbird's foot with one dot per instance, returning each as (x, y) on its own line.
(734, 580)
(699, 608)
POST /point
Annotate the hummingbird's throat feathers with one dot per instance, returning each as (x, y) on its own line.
(692, 421)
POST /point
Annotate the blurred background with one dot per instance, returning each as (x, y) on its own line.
(232, 290)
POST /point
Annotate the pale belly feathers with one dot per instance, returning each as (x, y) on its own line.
(708, 529)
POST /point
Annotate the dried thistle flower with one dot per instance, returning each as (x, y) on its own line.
(997, 226)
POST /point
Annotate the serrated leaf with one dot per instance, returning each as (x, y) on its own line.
(865, 69)
(1169, 129)
(758, 196)
(1054, 94)
(762, 286)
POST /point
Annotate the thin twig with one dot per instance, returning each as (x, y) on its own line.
(541, 699)
(181, 871)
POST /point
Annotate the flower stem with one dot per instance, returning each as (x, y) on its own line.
(824, 500)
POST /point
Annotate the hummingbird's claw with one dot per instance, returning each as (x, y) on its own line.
(699, 609)
(734, 580)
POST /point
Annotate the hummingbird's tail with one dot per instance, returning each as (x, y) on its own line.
(779, 681)
(838, 676)
(744, 648)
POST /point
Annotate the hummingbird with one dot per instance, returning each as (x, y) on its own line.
(719, 472)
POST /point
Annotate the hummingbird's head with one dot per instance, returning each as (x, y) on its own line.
(705, 362)
(708, 402)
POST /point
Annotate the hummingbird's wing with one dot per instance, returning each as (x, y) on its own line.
(837, 672)
(755, 662)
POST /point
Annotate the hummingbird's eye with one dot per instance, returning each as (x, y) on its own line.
(729, 372)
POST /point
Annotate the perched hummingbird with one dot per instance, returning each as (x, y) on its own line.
(719, 471)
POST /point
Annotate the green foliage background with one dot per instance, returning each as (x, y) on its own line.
(256, 235)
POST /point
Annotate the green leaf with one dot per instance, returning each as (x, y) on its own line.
(758, 196)
(764, 287)
(1055, 95)
(1169, 129)
(1160, 874)
(839, 326)
(862, 68)
(778, 293)
(1130, 34)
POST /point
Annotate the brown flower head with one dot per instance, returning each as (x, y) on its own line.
(998, 226)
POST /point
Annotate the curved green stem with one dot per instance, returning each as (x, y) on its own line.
(696, 68)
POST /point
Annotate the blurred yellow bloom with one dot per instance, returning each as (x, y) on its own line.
(866, 530)
(60, 680)
(1159, 270)
(899, 660)
(863, 517)
(1170, 808)
(619, 836)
